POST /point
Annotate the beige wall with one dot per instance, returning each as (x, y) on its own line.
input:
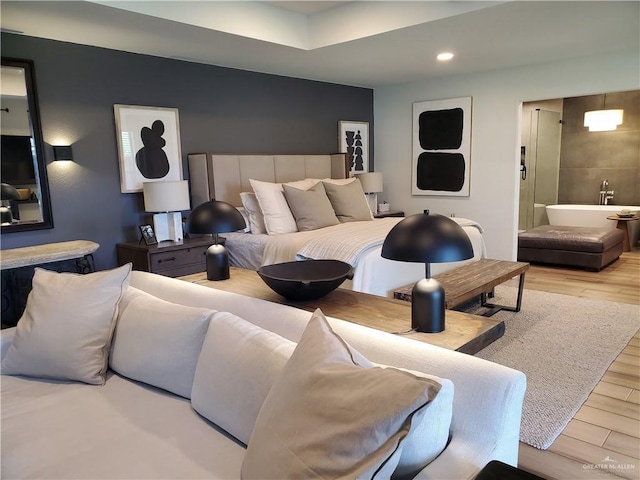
(587, 158)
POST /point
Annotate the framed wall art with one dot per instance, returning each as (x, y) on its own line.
(148, 145)
(441, 147)
(353, 139)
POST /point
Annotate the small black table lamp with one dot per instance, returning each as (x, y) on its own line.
(428, 239)
(215, 217)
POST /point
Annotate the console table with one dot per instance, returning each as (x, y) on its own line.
(18, 266)
(463, 332)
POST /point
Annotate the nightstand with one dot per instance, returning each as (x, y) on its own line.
(172, 259)
(391, 213)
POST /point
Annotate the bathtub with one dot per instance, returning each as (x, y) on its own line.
(586, 215)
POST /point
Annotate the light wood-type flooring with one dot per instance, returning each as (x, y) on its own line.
(605, 431)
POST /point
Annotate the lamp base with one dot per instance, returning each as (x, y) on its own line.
(168, 226)
(217, 262)
(427, 306)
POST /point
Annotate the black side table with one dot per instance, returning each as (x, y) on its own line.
(495, 470)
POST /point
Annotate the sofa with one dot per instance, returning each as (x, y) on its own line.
(193, 385)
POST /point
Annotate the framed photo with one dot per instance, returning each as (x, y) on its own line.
(148, 145)
(353, 139)
(441, 163)
(147, 235)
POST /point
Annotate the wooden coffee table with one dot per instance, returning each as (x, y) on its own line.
(463, 332)
(475, 279)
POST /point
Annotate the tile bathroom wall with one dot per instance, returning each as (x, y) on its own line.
(586, 158)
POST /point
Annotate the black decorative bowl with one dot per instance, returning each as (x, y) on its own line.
(305, 280)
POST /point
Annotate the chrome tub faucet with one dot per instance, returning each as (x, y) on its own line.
(605, 193)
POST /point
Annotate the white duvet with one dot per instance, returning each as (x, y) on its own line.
(360, 244)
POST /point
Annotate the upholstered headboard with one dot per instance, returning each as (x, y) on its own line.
(223, 177)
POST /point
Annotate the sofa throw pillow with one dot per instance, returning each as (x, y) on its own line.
(277, 215)
(66, 329)
(238, 364)
(311, 208)
(348, 201)
(252, 208)
(330, 414)
(158, 342)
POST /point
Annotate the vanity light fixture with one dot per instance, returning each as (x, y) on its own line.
(444, 56)
(603, 120)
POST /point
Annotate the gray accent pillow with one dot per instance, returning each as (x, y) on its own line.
(348, 201)
(332, 414)
(311, 208)
(66, 329)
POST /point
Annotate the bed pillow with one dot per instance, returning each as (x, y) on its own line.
(330, 414)
(348, 201)
(277, 215)
(252, 209)
(66, 329)
(238, 364)
(311, 208)
(245, 217)
(339, 181)
(158, 342)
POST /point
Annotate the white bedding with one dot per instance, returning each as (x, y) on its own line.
(357, 243)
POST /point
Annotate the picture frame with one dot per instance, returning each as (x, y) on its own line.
(441, 160)
(353, 139)
(148, 235)
(148, 145)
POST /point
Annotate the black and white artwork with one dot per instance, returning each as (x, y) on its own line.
(441, 147)
(148, 145)
(353, 139)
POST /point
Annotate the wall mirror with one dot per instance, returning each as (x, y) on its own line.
(24, 203)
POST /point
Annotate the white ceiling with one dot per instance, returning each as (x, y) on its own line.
(365, 43)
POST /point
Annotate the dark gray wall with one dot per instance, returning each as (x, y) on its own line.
(221, 110)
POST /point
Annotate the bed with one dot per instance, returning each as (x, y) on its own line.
(359, 242)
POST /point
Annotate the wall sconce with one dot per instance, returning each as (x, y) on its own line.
(62, 153)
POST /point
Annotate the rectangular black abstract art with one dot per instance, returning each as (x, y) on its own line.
(441, 147)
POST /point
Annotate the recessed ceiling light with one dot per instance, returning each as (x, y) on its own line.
(445, 56)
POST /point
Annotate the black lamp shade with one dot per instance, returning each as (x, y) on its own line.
(8, 192)
(214, 217)
(427, 238)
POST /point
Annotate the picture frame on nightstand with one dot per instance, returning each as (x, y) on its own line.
(148, 235)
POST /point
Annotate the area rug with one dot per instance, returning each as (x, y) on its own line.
(564, 345)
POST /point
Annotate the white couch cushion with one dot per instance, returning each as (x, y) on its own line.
(67, 326)
(238, 364)
(331, 414)
(158, 342)
(122, 430)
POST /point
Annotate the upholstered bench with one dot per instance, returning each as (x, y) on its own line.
(586, 247)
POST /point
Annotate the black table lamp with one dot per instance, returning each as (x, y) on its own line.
(215, 217)
(427, 239)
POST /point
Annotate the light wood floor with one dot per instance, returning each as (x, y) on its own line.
(606, 429)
